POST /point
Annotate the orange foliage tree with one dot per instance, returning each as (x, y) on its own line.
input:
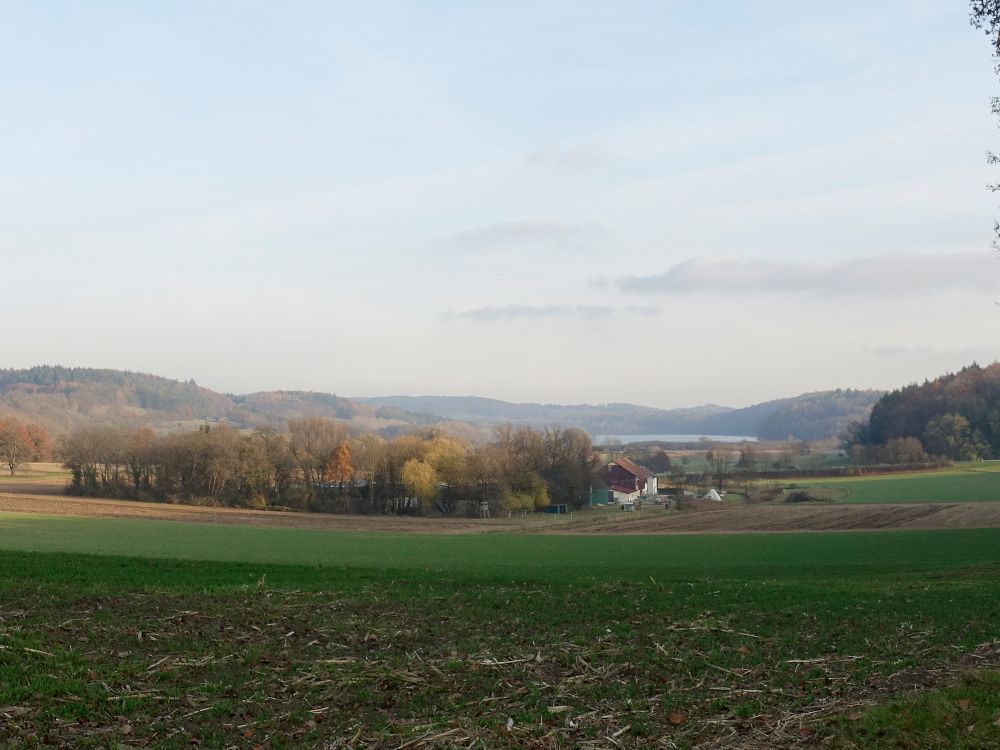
(338, 469)
(15, 445)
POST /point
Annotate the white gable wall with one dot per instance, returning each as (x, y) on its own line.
(621, 497)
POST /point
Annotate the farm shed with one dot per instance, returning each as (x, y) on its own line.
(627, 480)
(620, 494)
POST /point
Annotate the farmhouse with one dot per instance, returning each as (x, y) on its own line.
(627, 481)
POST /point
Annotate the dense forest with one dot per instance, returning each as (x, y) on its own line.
(956, 416)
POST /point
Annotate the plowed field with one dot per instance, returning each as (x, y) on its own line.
(723, 519)
(778, 518)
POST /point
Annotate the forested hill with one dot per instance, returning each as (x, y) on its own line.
(956, 415)
(811, 416)
(62, 398)
(603, 418)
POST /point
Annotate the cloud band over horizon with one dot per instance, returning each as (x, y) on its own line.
(510, 312)
(895, 274)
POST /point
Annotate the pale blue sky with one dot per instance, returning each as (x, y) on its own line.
(660, 202)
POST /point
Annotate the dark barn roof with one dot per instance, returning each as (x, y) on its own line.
(639, 472)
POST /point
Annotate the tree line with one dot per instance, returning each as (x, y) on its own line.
(955, 417)
(316, 464)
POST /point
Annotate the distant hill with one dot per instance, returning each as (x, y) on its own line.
(271, 407)
(64, 397)
(477, 410)
(811, 416)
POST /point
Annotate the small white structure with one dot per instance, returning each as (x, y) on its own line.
(712, 495)
(619, 494)
(628, 505)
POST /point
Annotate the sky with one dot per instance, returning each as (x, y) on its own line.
(664, 203)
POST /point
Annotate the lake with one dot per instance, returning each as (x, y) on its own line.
(626, 439)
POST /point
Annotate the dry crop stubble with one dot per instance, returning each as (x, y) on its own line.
(731, 642)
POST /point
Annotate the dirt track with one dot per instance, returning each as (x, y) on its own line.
(713, 520)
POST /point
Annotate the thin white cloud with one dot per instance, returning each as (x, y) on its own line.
(895, 274)
(511, 312)
(574, 157)
(533, 232)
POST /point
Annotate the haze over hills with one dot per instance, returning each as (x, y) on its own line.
(810, 416)
(63, 398)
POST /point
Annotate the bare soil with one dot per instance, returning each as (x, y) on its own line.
(72, 506)
(47, 498)
(39, 488)
(727, 519)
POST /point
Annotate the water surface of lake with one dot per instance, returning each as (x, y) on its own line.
(626, 439)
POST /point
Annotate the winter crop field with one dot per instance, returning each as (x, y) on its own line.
(525, 556)
(969, 482)
(135, 633)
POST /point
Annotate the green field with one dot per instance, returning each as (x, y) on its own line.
(262, 637)
(967, 483)
(525, 556)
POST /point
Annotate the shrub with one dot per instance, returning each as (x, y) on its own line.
(800, 496)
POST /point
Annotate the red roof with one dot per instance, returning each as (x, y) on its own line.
(633, 468)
